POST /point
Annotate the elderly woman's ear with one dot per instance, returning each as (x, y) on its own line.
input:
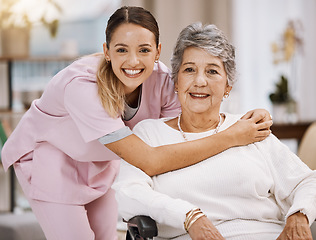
(227, 91)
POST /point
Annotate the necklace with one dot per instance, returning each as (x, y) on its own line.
(183, 134)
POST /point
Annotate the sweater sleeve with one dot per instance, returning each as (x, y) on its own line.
(294, 182)
(136, 195)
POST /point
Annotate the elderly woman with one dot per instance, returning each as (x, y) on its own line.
(258, 191)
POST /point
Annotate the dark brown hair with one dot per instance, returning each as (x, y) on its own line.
(131, 14)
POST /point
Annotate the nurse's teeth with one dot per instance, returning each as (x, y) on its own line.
(132, 72)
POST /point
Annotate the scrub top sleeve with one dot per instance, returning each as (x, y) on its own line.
(82, 102)
(170, 106)
(115, 136)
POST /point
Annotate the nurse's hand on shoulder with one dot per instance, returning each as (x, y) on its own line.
(296, 228)
(258, 115)
(248, 131)
(203, 229)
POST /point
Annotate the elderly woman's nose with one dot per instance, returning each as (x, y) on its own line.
(200, 80)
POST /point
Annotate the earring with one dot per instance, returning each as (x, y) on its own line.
(176, 91)
(156, 61)
(226, 94)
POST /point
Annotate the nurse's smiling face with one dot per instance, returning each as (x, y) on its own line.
(132, 52)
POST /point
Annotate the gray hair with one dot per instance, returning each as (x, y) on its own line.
(210, 39)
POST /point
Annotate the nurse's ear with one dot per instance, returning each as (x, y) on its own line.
(176, 87)
(158, 52)
(106, 52)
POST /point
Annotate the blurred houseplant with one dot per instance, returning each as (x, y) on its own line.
(17, 18)
(281, 94)
(285, 53)
(284, 106)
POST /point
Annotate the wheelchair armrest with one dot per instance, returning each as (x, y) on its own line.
(143, 226)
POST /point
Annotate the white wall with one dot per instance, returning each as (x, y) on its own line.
(256, 24)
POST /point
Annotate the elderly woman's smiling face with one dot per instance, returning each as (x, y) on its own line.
(202, 82)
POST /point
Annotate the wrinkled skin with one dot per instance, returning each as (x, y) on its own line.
(203, 229)
(296, 228)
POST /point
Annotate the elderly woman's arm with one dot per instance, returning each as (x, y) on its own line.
(294, 186)
(136, 196)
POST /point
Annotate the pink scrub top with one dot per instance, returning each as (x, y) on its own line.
(56, 141)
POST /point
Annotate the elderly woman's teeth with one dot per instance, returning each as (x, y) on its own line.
(199, 95)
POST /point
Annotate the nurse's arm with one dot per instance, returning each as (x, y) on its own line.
(157, 160)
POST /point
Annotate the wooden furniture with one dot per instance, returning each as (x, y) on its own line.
(290, 130)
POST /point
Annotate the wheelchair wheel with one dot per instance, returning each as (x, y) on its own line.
(128, 236)
(136, 236)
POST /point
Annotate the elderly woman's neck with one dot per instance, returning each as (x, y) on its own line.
(199, 122)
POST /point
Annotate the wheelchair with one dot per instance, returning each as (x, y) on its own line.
(141, 228)
(145, 228)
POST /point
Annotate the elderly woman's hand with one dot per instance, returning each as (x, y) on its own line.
(297, 228)
(203, 229)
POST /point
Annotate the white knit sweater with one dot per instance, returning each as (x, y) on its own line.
(247, 192)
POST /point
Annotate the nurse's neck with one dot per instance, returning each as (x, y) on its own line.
(131, 99)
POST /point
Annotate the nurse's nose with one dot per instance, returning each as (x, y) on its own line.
(133, 59)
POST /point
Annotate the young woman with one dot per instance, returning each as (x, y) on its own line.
(58, 148)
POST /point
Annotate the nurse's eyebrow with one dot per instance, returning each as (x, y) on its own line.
(125, 45)
(120, 45)
(145, 45)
